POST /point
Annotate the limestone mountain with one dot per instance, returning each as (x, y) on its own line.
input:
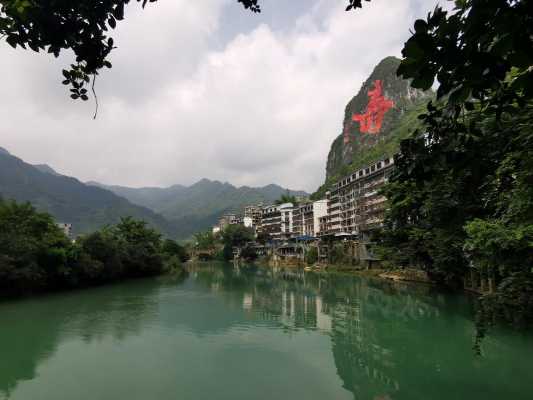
(67, 199)
(375, 121)
(199, 206)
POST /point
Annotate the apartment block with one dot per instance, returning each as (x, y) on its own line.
(354, 205)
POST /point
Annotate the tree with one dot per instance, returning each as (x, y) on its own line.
(32, 249)
(287, 198)
(172, 248)
(461, 193)
(235, 236)
(205, 240)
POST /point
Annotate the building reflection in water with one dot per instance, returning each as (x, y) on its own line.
(389, 341)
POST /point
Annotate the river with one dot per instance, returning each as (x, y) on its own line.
(254, 333)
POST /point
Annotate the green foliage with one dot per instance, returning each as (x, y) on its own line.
(172, 248)
(311, 255)
(249, 253)
(462, 195)
(338, 255)
(287, 198)
(235, 236)
(33, 250)
(35, 255)
(205, 240)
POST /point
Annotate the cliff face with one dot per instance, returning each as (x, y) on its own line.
(373, 116)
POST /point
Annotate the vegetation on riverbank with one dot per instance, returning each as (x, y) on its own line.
(35, 254)
(220, 246)
(461, 197)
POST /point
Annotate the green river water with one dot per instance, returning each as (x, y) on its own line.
(255, 333)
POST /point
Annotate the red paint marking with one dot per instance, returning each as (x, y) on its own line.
(378, 105)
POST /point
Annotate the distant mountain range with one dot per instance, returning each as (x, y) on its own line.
(67, 199)
(199, 206)
(177, 211)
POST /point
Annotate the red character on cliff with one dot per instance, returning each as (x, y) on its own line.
(378, 105)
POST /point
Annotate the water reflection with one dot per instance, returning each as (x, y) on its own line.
(383, 340)
(31, 329)
(389, 340)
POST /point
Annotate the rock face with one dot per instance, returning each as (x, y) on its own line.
(372, 115)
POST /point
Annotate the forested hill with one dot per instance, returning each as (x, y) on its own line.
(67, 199)
(199, 206)
(375, 121)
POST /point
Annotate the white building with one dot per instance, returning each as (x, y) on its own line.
(248, 222)
(320, 209)
(66, 228)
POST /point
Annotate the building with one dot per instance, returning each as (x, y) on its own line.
(271, 221)
(305, 218)
(320, 210)
(248, 222)
(354, 205)
(255, 214)
(66, 228)
(286, 211)
(277, 221)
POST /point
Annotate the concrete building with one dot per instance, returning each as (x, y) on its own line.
(255, 213)
(286, 211)
(320, 210)
(248, 222)
(271, 221)
(354, 205)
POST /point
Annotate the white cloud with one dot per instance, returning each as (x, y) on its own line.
(263, 109)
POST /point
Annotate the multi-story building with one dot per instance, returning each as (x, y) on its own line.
(320, 210)
(354, 205)
(286, 211)
(305, 221)
(255, 214)
(227, 219)
(297, 221)
(271, 221)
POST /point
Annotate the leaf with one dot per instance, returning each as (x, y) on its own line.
(421, 26)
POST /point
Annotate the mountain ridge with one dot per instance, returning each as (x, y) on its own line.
(201, 204)
(69, 200)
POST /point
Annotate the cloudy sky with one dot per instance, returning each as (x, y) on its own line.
(205, 89)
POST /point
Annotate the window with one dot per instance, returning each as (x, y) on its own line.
(387, 161)
(380, 164)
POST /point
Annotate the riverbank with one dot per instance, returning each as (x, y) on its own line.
(396, 275)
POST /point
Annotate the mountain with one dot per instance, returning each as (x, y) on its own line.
(45, 168)
(199, 206)
(383, 113)
(69, 200)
